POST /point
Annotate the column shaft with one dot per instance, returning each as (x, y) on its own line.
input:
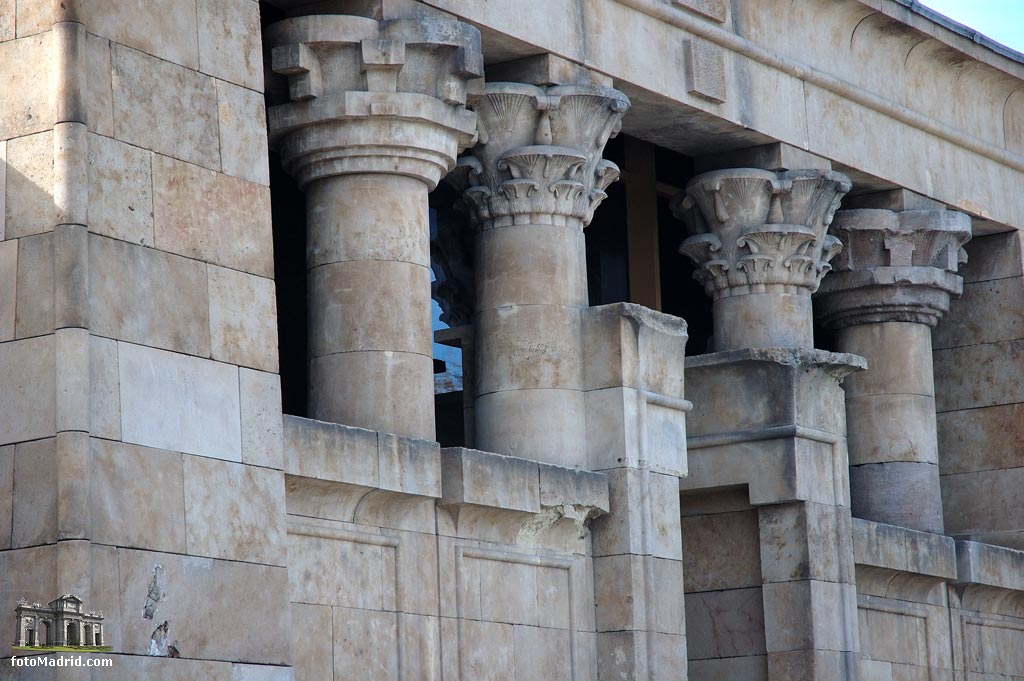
(763, 320)
(369, 303)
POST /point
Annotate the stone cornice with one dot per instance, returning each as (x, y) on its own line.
(538, 157)
(370, 96)
(760, 231)
(895, 266)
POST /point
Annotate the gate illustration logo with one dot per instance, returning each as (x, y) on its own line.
(62, 624)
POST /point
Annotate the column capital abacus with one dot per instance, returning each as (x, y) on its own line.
(896, 266)
(367, 96)
(760, 231)
(538, 158)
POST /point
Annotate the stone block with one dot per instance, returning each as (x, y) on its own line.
(561, 486)
(409, 465)
(705, 70)
(978, 375)
(978, 563)
(805, 541)
(105, 392)
(916, 505)
(511, 359)
(996, 256)
(28, 400)
(8, 288)
(613, 428)
(725, 624)
(541, 654)
(246, 527)
(313, 656)
(487, 652)
(513, 414)
(981, 439)
(35, 287)
(142, 295)
(137, 497)
(528, 284)
(176, 41)
(984, 503)
(481, 478)
(621, 530)
(553, 599)
(667, 612)
(203, 601)
(252, 672)
(29, 204)
(212, 217)
(262, 429)
(368, 582)
(164, 107)
(243, 319)
(416, 565)
(721, 551)
(26, 108)
(809, 615)
(120, 190)
(623, 654)
(988, 312)
(629, 345)
(8, 14)
(351, 321)
(35, 493)
(365, 644)
(891, 428)
(619, 592)
(230, 46)
(508, 592)
(6, 495)
(810, 665)
(100, 85)
(900, 638)
(753, 668)
(329, 451)
(242, 118)
(180, 403)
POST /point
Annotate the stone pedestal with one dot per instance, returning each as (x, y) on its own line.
(761, 249)
(530, 187)
(892, 283)
(377, 117)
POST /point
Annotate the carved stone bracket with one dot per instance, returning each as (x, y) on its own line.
(760, 231)
(373, 96)
(895, 266)
(539, 154)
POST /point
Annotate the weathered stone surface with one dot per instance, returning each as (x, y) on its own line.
(229, 41)
(120, 190)
(247, 527)
(104, 389)
(474, 477)
(976, 376)
(995, 256)
(164, 107)
(329, 451)
(6, 495)
(918, 504)
(137, 497)
(212, 217)
(8, 288)
(203, 602)
(143, 295)
(721, 551)
(980, 506)
(28, 400)
(30, 205)
(35, 494)
(243, 319)
(35, 288)
(990, 310)
(99, 82)
(179, 403)
(243, 132)
(175, 42)
(313, 655)
(365, 643)
(262, 430)
(26, 108)
(724, 624)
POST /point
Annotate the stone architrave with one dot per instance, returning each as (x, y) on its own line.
(761, 249)
(891, 285)
(377, 117)
(530, 187)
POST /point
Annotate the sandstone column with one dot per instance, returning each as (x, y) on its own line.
(377, 117)
(761, 250)
(892, 284)
(531, 186)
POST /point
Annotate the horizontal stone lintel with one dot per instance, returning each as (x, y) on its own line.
(335, 453)
(473, 477)
(988, 565)
(903, 550)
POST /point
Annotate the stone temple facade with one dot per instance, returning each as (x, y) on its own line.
(346, 339)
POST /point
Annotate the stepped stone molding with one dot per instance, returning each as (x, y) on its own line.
(896, 266)
(538, 158)
(373, 96)
(761, 231)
